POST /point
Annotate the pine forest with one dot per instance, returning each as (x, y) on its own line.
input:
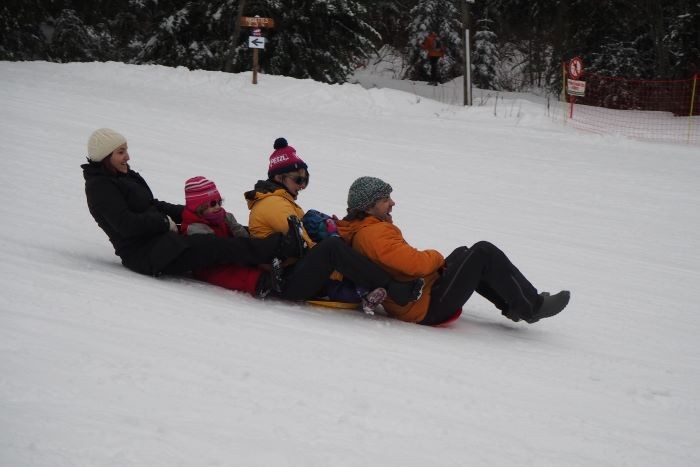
(515, 44)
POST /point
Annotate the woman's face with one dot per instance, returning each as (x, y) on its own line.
(119, 158)
(295, 181)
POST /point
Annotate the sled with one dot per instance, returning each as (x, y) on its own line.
(332, 304)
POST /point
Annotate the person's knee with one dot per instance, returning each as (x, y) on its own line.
(483, 246)
(457, 255)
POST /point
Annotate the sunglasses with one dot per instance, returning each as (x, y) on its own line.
(299, 180)
(216, 202)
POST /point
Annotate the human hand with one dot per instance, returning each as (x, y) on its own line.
(172, 225)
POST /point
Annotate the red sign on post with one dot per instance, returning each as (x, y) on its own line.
(257, 22)
(575, 68)
(574, 86)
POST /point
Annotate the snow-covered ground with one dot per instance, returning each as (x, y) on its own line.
(102, 367)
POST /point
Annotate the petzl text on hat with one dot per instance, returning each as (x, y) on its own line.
(284, 159)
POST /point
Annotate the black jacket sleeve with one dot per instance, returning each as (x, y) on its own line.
(107, 201)
(172, 210)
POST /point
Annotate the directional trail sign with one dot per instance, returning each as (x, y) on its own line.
(257, 22)
(255, 42)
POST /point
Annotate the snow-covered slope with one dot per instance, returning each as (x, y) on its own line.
(103, 367)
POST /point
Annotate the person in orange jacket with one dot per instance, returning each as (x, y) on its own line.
(449, 282)
(433, 45)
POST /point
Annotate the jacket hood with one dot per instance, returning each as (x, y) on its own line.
(95, 169)
(91, 169)
(264, 189)
(348, 229)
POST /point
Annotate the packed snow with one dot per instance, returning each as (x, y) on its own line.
(100, 366)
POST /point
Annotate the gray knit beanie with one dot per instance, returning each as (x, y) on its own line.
(365, 191)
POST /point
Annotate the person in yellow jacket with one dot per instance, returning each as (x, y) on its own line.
(449, 282)
(272, 201)
(273, 209)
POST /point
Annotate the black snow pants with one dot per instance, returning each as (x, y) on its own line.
(209, 250)
(434, 69)
(488, 271)
(306, 278)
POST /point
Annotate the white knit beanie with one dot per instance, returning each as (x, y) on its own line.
(102, 143)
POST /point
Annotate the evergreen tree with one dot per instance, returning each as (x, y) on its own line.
(485, 58)
(618, 59)
(21, 36)
(74, 41)
(682, 40)
(179, 37)
(318, 39)
(391, 19)
(324, 39)
(221, 29)
(577, 30)
(443, 18)
(129, 24)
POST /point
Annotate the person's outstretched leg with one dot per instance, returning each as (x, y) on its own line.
(460, 278)
(488, 269)
(533, 307)
(308, 276)
(482, 288)
(209, 250)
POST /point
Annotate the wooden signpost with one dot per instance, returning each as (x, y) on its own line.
(255, 40)
(257, 22)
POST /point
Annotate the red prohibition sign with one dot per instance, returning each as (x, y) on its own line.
(576, 67)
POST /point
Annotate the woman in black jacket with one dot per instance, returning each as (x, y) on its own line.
(143, 229)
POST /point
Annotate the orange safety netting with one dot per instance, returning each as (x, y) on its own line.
(646, 109)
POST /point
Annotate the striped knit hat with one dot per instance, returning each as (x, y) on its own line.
(198, 191)
(365, 191)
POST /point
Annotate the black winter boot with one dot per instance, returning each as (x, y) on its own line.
(272, 281)
(292, 244)
(549, 305)
(264, 285)
(277, 275)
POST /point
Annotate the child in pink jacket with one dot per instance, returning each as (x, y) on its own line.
(205, 215)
